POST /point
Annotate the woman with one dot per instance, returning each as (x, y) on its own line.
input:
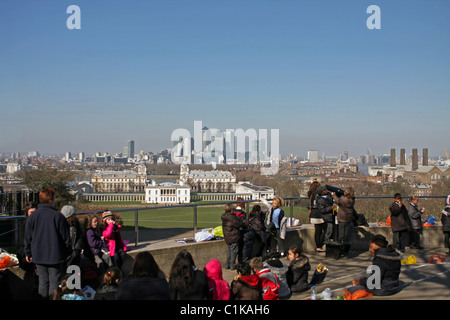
(145, 282)
(345, 213)
(186, 282)
(315, 216)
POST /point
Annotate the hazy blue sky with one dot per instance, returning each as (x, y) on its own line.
(139, 69)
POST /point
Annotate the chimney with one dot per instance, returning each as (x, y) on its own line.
(393, 163)
(425, 157)
(402, 157)
(415, 160)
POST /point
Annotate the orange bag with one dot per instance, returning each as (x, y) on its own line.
(358, 294)
(436, 258)
(388, 221)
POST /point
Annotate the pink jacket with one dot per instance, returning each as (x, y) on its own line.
(110, 241)
(218, 288)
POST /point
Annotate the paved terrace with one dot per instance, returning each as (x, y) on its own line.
(421, 281)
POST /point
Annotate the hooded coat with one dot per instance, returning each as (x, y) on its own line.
(218, 288)
(297, 274)
(246, 288)
(389, 262)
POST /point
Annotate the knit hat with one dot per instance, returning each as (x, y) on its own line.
(106, 215)
(67, 211)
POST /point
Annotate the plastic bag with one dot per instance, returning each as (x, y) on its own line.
(436, 258)
(410, 260)
(218, 232)
(7, 260)
(355, 293)
(204, 235)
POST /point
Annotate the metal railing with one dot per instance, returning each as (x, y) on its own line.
(290, 202)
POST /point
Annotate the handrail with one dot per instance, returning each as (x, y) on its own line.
(196, 205)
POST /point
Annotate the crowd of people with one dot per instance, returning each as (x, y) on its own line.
(255, 243)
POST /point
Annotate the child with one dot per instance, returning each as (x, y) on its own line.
(63, 292)
(445, 219)
(388, 260)
(245, 285)
(297, 274)
(279, 269)
(276, 221)
(111, 279)
(230, 226)
(95, 248)
(415, 214)
(218, 288)
(254, 237)
(270, 282)
(113, 238)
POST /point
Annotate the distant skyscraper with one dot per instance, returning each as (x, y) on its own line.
(130, 149)
(313, 156)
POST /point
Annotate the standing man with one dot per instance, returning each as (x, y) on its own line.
(415, 214)
(400, 223)
(47, 242)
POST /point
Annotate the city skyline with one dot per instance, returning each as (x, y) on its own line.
(139, 70)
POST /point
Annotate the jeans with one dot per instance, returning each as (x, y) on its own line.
(49, 277)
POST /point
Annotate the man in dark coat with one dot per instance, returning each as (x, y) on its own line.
(47, 242)
(231, 234)
(400, 223)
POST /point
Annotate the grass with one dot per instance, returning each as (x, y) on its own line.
(207, 216)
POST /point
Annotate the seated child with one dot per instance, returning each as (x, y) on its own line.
(270, 282)
(297, 274)
(218, 288)
(245, 285)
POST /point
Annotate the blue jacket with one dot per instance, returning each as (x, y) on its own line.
(47, 237)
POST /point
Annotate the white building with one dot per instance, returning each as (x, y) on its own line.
(249, 191)
(167, 192)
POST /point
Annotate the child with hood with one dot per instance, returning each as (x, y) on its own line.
(218, 288)
(245, 285)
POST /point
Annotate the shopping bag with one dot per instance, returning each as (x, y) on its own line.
(410, 260)
(319, 274)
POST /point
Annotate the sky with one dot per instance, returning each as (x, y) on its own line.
(138, 70)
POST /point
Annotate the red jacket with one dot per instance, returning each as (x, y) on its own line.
(270, 284)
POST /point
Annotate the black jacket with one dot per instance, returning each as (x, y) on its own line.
(143, 288)
(389, 262)
(445, 219)
(399, 218)
(297, 274)
(325, 206)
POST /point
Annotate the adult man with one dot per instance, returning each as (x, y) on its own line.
(400, 223)
(47, 242)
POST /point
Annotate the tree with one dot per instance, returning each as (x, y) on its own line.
(48, 177)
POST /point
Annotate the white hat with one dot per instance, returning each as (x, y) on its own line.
(67, 211)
